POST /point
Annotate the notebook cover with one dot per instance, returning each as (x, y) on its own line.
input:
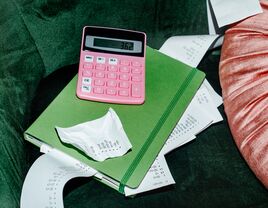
(170, 86)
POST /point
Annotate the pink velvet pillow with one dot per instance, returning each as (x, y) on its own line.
(244, 81)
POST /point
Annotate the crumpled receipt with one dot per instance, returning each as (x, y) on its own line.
(100, 139)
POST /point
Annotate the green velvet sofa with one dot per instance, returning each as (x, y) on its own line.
(39, 53)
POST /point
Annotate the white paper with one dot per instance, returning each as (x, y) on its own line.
(212, 27)
(231, 11)
(44, 183)
(157, 176)
(100, 139)
(218, 42)
(205, 101)
(217, 99)
(188, 49)
(193, 121)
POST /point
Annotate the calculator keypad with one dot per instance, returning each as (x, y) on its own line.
(112, 79)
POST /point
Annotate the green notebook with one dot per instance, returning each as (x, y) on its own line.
(170, 86)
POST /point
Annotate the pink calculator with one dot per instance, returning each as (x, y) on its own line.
(112, 66)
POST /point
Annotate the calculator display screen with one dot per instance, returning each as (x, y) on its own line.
(115, 41)
(123, 45)
(113, 44)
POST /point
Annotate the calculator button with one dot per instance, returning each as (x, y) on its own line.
(100, 60)
(112, 68)
(136, 70)
(124, 77)
(88, 58)
(98, 90)
(136, 63)
(113, 61)
(136, 78)
(111, 91)
(86, 88)
(136, 90)
(99, 74)
(86, 80)
(124, 84)
(111, 83)
(112, 75)
(100, 67)
(123, 93)
(124, 69)
(99, 82)
(87, 73)
(88, 66)
(125, 62)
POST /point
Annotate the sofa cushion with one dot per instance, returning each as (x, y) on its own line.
(244, 81)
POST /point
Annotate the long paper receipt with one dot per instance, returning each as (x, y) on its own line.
(100, 139)
(43, 186)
